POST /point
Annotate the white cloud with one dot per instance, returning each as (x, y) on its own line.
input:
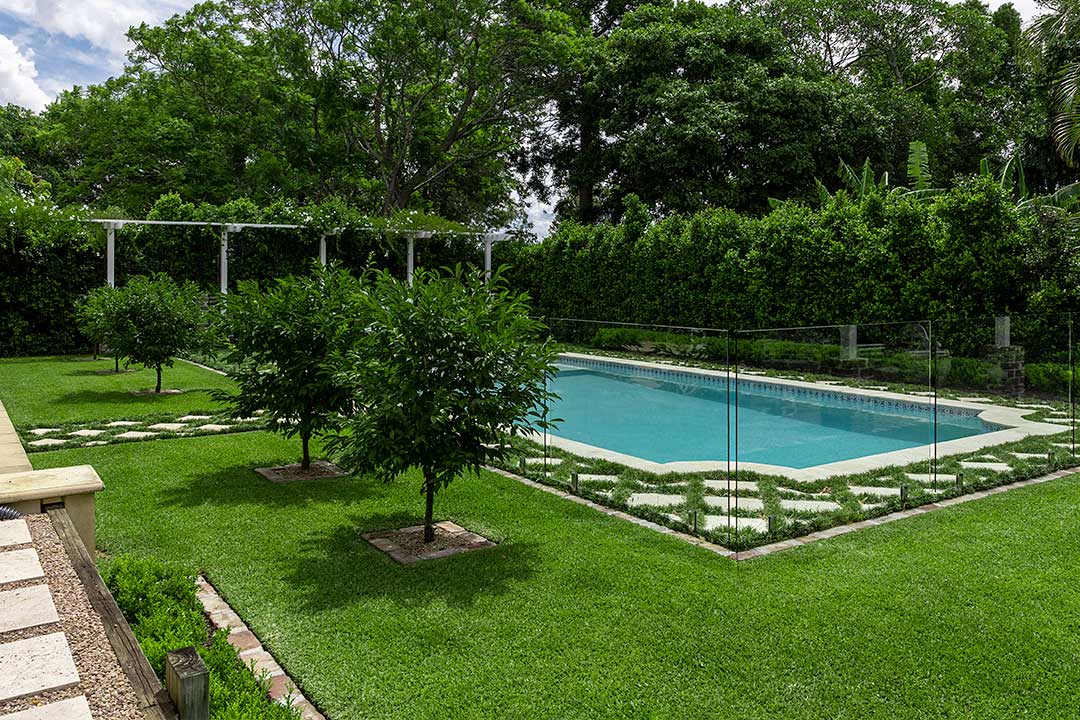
(102, 23)
(18, 77)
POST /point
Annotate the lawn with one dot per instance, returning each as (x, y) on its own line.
(58, 390)
(965, 612)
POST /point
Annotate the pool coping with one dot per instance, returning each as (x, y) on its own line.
(1015, 428)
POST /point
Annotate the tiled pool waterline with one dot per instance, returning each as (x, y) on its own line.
(662, 418)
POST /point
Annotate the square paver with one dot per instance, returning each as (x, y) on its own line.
(86, 433)
(136, 435)
(1029, 456)
(974, 399)
(34, 665)
(810, 505)
(19, 565)
(927, 478)
(122, 423)
(743, 503)
(213, 428)
(740, 485)
(715, 522)
(657, 499)
(47, 442)
(874, 490)
(44, 431)
(75, 708)
(171, 427)
(589, 477)
(543, 461)
(991, 466)
(14, 532)
(189, 418)
(26, 608)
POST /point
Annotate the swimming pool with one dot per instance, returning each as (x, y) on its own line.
(659, 417)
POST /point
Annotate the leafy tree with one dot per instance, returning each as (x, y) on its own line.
(96, 315)
(446, 366)
(154, 319)
(284, 340)
(1058, 34)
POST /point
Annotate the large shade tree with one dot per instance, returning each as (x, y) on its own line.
(447, 365)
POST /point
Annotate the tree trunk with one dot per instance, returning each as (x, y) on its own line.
(158, 388)
(305, 438)
(429, 510)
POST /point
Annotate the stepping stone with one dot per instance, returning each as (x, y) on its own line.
(829, 382)
(974, 399)
(873, 387)
(715, 522)
(869, 490)
(122, 423)
(750, 372)
(1035, 406)
(136, 435)
(587, 477)
(171, 427)
(658, 499)
(72, 709)
(19, 565)
(810, 505)
(34, 665)
(14, 532)
(991, 466)
(1060, 421)
(723, 485)
(1065, 446)
(1058, 413)
(927, 479)
(47, 442)
(742, 503)
(44, 431)
(921, 393)
(1029, 456)
(86, 433)
(543, 461)
(250, 419)
(95, 443)
(189, 418)
(26, 608)
(213, 428)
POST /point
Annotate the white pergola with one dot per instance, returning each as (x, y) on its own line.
(114, 224)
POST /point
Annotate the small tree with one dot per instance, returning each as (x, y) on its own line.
(153, 319)
(283, 341)
(445, 367)
(95, 315)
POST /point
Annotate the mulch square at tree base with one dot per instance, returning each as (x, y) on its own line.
(407, 545)
(319, 470)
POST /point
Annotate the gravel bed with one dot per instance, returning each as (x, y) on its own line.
(102, 680)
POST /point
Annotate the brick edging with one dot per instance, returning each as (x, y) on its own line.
(251, 653)
(775, 547)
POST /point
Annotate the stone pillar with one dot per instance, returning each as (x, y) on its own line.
(849, 342)
(1002, 326)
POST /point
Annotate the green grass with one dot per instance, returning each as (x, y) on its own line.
(51, 391)
(968, 612)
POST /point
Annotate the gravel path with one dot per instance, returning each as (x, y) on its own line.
(102, 680)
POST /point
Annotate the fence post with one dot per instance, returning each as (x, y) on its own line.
(188, 683)
(110, 254)
(322, 250)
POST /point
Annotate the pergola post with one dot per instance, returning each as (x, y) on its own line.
(322, 250)
(110, 254)
(409, 263)
(488, 239)
(224, 266)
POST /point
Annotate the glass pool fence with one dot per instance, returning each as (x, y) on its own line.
(746, 437)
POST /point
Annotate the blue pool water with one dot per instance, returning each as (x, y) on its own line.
(666, 416)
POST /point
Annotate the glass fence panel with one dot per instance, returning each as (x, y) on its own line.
(639, 421)
(830, 425)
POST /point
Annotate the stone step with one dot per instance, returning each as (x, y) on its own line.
(657, 499)
(19, 565)
(810, 505)
(716, 522)
(75, 708)
(928, 479)
(742, 503)
(991, 466)
(35, 665)
(26, 608)
(874, 490)
(724, 485)
(14, 532)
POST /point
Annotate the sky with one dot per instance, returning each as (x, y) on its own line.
(47, 46)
